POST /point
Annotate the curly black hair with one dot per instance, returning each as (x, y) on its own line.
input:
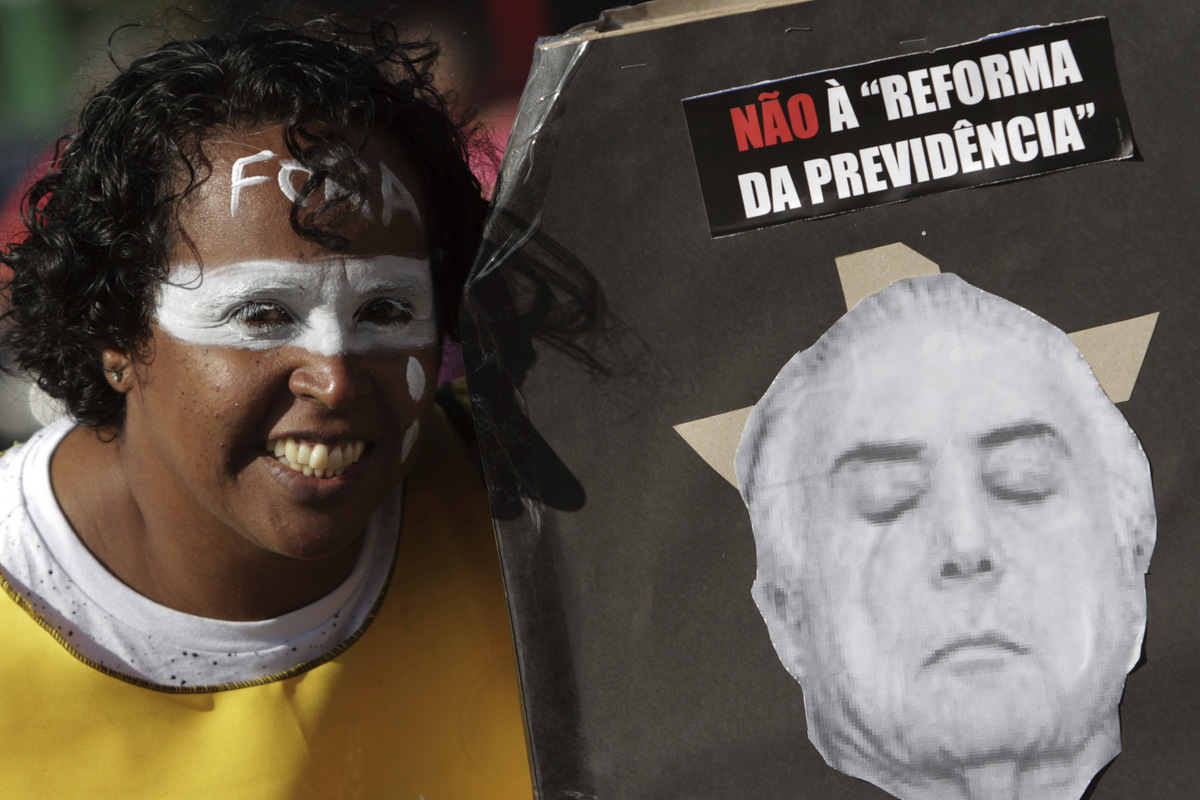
(101, 223)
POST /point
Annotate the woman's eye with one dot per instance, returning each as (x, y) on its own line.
(264, 316)
(385, 311)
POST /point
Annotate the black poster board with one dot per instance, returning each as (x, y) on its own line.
(604, 312)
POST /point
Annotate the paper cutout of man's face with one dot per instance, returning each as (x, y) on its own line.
(953, 524)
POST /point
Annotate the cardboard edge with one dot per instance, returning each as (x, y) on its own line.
(657, 14)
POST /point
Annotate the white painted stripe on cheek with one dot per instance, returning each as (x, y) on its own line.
(416, 379)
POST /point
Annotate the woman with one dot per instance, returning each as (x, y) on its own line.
(254, 562)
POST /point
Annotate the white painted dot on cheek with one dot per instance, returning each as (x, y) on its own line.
(410, 438)
(416, 379)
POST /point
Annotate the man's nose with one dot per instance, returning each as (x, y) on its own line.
(964, 550)
(975, 567)
(332, 380)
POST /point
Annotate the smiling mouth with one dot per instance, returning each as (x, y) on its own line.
(315, 459)
(977, 645)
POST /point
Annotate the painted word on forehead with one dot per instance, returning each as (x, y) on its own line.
(339, 305)
(396, 196)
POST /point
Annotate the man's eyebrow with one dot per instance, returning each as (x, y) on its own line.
(1022, 430)
(872, 452)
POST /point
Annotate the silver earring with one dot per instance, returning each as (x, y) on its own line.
(116, 375)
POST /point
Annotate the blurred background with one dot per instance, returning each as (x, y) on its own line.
(53, 53)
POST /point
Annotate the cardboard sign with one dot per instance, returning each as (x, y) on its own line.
(616, 348)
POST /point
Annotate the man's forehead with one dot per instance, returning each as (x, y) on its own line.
(928, 363)
(817, 423)
(891, 366)
(930, 339)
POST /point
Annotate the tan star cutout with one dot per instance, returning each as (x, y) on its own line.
(1115, 351)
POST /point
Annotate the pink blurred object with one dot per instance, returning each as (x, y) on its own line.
(452, 362)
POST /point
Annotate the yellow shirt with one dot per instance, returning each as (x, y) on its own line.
(423, 705)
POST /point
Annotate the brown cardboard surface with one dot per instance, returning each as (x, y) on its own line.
(1116, 352)
(869, 271)
(715, 439)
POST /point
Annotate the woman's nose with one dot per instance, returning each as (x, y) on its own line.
(333, 380)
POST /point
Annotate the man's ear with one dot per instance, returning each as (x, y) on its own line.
(1135, 521)
(1141, 543)
(784, 612)
(118, 369)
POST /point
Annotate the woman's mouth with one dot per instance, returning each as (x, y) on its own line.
(315, 459)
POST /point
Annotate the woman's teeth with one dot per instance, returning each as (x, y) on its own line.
(318, 459)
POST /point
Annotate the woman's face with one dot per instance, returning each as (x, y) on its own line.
(285, 385)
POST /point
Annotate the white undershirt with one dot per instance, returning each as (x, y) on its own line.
(110, 624)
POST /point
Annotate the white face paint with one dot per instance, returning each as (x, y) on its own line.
(238, 179)
(337, 305)
(410, 438)
(416, 379)
(394, 195)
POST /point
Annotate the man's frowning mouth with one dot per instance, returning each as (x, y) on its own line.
(982, 643)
